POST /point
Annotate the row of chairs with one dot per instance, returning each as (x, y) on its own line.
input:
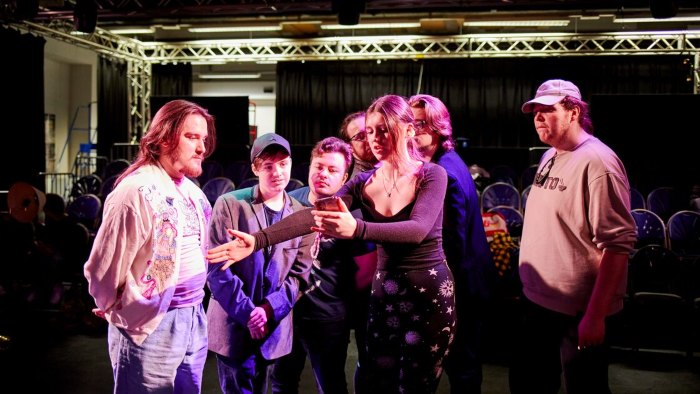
(663, 201)
(502, 173)
(90, 191)
(680, 233)
(663, 300)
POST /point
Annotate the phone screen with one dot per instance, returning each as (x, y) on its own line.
(327, 204)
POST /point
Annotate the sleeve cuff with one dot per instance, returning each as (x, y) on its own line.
(268, 310)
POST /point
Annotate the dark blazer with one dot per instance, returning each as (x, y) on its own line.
(247, 283)
(464, 240)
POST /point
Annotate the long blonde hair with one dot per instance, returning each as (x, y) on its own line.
(398, 116)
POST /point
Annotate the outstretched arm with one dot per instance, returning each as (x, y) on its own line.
(241, 246)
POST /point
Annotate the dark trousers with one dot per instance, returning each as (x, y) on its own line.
(326, 344)
(463, 363)
(246, 375)
(359, 315)
(546, 345)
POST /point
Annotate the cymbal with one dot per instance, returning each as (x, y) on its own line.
(25, 202)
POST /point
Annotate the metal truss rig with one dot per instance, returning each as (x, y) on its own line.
(424, 47)
(143, 54)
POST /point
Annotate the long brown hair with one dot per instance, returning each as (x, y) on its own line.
(165, 131)
(398, 115)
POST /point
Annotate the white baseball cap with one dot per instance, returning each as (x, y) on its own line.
(552, 92)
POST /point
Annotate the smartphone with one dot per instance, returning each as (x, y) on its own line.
(331, 203)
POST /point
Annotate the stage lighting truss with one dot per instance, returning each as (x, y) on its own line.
(140, 55)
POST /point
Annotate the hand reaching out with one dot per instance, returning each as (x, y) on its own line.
(240, 247)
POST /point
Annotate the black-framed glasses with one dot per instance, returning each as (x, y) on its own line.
(420, 124)
(543, 173)
(359, 137)
(421, 127)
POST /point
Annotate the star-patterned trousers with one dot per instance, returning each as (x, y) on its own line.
(411, 324)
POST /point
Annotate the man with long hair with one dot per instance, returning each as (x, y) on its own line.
(464, 240)
(147, 268)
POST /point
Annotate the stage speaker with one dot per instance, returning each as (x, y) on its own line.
(348, 11)
(85, 16)
(663, 9)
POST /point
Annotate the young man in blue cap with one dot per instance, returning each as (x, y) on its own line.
(250, 311)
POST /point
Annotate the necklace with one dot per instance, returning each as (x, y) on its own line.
(392, 188)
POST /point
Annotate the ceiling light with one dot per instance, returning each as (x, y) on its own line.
(207, 62)
(132, 31)
(232, 29)
(405, 25)
(173, 27)
(441, 25)
(645, 20)
(521, 23)
(301, 28)
(229, 76)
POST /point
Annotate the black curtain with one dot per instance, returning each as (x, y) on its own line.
(171, 80)
(314, 97)
(22, 114)
(483, 95)
(112, 105)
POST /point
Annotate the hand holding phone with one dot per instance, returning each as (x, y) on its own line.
(332, 218)
(331, 203)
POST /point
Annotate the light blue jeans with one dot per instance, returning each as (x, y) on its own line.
(170, 360)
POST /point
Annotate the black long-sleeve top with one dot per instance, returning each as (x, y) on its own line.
(410, 239)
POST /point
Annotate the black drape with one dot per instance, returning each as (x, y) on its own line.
(22, 114)
(314, 97)
(112, 105)
(483, 95)
(171, 80)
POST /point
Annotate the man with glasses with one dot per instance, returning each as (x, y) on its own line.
(576, 240)
(352, 131)
(464, 242)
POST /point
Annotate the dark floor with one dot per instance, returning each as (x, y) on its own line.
(66, 352)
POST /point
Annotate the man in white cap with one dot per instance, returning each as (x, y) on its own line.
(576, 240)
(250, 311)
